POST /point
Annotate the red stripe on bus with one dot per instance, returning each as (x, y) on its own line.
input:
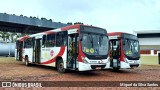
(61, 52)
(49, 32)
(23, 38)
(70, 27)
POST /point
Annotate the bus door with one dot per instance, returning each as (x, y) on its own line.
(33, 52)
(115, 53)
(37, 50)
(19, 50)
(72, 51)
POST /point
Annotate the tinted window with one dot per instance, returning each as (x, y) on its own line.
(93, 44)
(93, 30)
(43, 40)
(131, 48)
(28, 43)
(61, 39)
(50, 41)
(129, 36)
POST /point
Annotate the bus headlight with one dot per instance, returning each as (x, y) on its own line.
(125, 59)
(84, 60)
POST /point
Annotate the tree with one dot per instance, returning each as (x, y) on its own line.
(69, 23)
(13, 36)
(4, 36)
(10, 36)
(50, 20)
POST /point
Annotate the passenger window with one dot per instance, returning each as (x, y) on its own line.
(61, 39)
(50, 42)
(28, 43)
(43, 40)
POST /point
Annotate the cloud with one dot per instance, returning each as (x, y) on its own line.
(114, 15)
(67, 7)
(129, 16)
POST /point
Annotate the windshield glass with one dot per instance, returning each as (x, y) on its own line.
(94, 44)
(131, 47)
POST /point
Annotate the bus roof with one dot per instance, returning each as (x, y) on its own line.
(53, 31)
(117, 33)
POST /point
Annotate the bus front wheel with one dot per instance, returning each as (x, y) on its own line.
(116, 69)
(60, 66)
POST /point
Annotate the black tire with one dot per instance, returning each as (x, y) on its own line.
(60, 66)
(26, 61)
(116, 69)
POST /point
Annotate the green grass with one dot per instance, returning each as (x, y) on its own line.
(7, 60)
(149, 60)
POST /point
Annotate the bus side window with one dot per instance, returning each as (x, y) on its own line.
(28, 43)
(61, 39)
(50, 42)
(64, 38)
(43, 41)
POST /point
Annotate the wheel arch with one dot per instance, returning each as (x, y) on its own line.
(26, 56)
(57, 59)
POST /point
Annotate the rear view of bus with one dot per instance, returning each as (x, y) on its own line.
(124, 50)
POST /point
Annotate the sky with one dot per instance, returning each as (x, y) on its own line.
(113, 15)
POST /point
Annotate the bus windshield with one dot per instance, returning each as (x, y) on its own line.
(131, 48)
(94, 44)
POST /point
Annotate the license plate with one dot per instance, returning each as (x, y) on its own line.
(98, 67)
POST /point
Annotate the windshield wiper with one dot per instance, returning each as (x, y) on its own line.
(100, 40)
(129, 44)
(91, 39)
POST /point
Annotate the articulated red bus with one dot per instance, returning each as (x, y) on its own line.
(124, 50)
(76, 47)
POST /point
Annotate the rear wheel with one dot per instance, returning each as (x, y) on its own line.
(60, 66)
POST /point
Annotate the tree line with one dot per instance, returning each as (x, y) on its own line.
(9, 36)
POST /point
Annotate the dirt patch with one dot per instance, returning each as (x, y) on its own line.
(16, 70)
(13, 70)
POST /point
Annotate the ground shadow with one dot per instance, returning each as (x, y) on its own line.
(120, 70)
(83, 73)
(74, 72)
